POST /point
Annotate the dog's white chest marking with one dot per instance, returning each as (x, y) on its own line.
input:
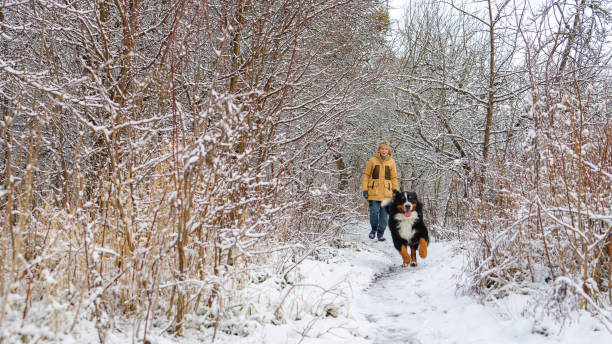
(406, 222)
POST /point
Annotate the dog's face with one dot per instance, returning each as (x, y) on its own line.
(405, 202)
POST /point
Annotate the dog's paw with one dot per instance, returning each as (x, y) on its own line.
(413, 264)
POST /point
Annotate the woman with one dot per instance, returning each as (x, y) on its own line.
(378, 182)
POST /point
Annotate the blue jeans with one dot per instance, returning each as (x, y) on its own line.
(378, 218)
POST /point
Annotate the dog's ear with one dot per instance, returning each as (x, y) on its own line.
(396, 192)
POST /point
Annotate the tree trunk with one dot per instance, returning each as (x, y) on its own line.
(571, 38)
(491, 91)
(344, 177)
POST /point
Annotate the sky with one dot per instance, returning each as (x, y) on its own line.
(396, 9)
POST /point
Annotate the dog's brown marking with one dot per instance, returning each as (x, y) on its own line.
(405, 257)
(400, 208)
(413, 256)
(422, 248)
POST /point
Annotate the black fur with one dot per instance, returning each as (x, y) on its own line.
(396, 207)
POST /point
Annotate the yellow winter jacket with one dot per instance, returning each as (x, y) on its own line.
(379, 178)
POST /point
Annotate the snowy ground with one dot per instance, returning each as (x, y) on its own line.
(381, 302)
(361, 294)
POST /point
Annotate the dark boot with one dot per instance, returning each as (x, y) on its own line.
(380, 234)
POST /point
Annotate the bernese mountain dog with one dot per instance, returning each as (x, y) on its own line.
(407, 226)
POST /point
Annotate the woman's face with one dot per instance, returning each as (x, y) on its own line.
(383, 150)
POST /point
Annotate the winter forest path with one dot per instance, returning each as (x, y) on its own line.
(381, 302)
(421, 305)
(408, 304)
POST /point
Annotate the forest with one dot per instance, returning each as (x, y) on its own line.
(157, 157)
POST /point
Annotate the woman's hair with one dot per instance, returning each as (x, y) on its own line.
(384, 143)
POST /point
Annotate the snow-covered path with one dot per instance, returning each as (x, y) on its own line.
(403, 302)
(383, 302)
(421, 305)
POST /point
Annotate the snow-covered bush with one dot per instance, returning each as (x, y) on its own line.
(158, 155)
(503, 122)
